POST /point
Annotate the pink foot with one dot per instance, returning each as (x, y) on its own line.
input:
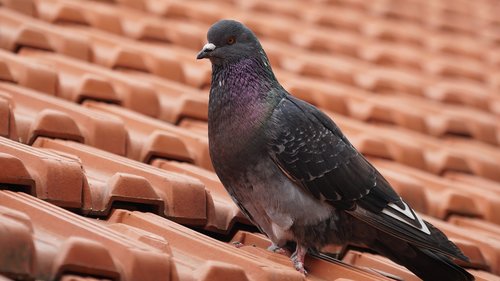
(298, 259)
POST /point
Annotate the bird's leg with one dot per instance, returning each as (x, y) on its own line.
(298, 258)
(279, 250)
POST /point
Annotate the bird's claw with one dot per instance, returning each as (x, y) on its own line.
(277, 249)
(237, 244)
(299, 266)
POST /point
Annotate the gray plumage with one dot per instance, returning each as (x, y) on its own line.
(296, 176)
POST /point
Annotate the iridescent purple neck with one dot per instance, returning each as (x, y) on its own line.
(242, 83)
(244, 91)
(244, 79)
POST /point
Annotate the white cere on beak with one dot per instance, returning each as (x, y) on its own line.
(209, 47)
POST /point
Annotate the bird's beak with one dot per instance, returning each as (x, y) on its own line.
(205, 52)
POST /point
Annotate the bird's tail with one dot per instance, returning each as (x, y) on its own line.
(424, 250)
(426, 264)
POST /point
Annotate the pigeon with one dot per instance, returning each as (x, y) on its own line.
(296, 176)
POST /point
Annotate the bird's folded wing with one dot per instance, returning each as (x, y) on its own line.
(311, 150)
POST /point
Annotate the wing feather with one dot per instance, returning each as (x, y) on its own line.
(312, 151)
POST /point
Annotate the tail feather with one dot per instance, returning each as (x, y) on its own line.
(433, 239)
(426, 264)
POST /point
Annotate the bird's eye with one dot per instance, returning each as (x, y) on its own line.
(231, 40)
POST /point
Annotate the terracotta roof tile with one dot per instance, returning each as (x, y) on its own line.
(72, 244)
(177, 100)
(372, 261)
(463, 46)
(464, 92)
(79, 81)
(21, 6)
(75, 12)
(477, 225)
(167, 100)
(18, 70)
(401, 56)
(56, 178)
(472, 180)
(457, 67)
(294, 60)
(103, 108)
(37, 114)
(114, 51)
(117, 179)
(124, 21)
(145, 133)
(490, 247)
(23, 31)
(391, 80)
(7, 120)
(223, 214)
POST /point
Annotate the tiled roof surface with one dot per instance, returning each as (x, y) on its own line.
(105, 172)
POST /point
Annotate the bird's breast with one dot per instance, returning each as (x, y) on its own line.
(236, 129)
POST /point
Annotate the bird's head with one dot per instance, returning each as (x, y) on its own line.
(230, 41)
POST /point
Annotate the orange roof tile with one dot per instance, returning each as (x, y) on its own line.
(72, 245)
(18, 70)
(23, 31)
(56, 178)
(38, 114)
(490, 247)
(146, 135)
(97, 83)
(114, 178)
